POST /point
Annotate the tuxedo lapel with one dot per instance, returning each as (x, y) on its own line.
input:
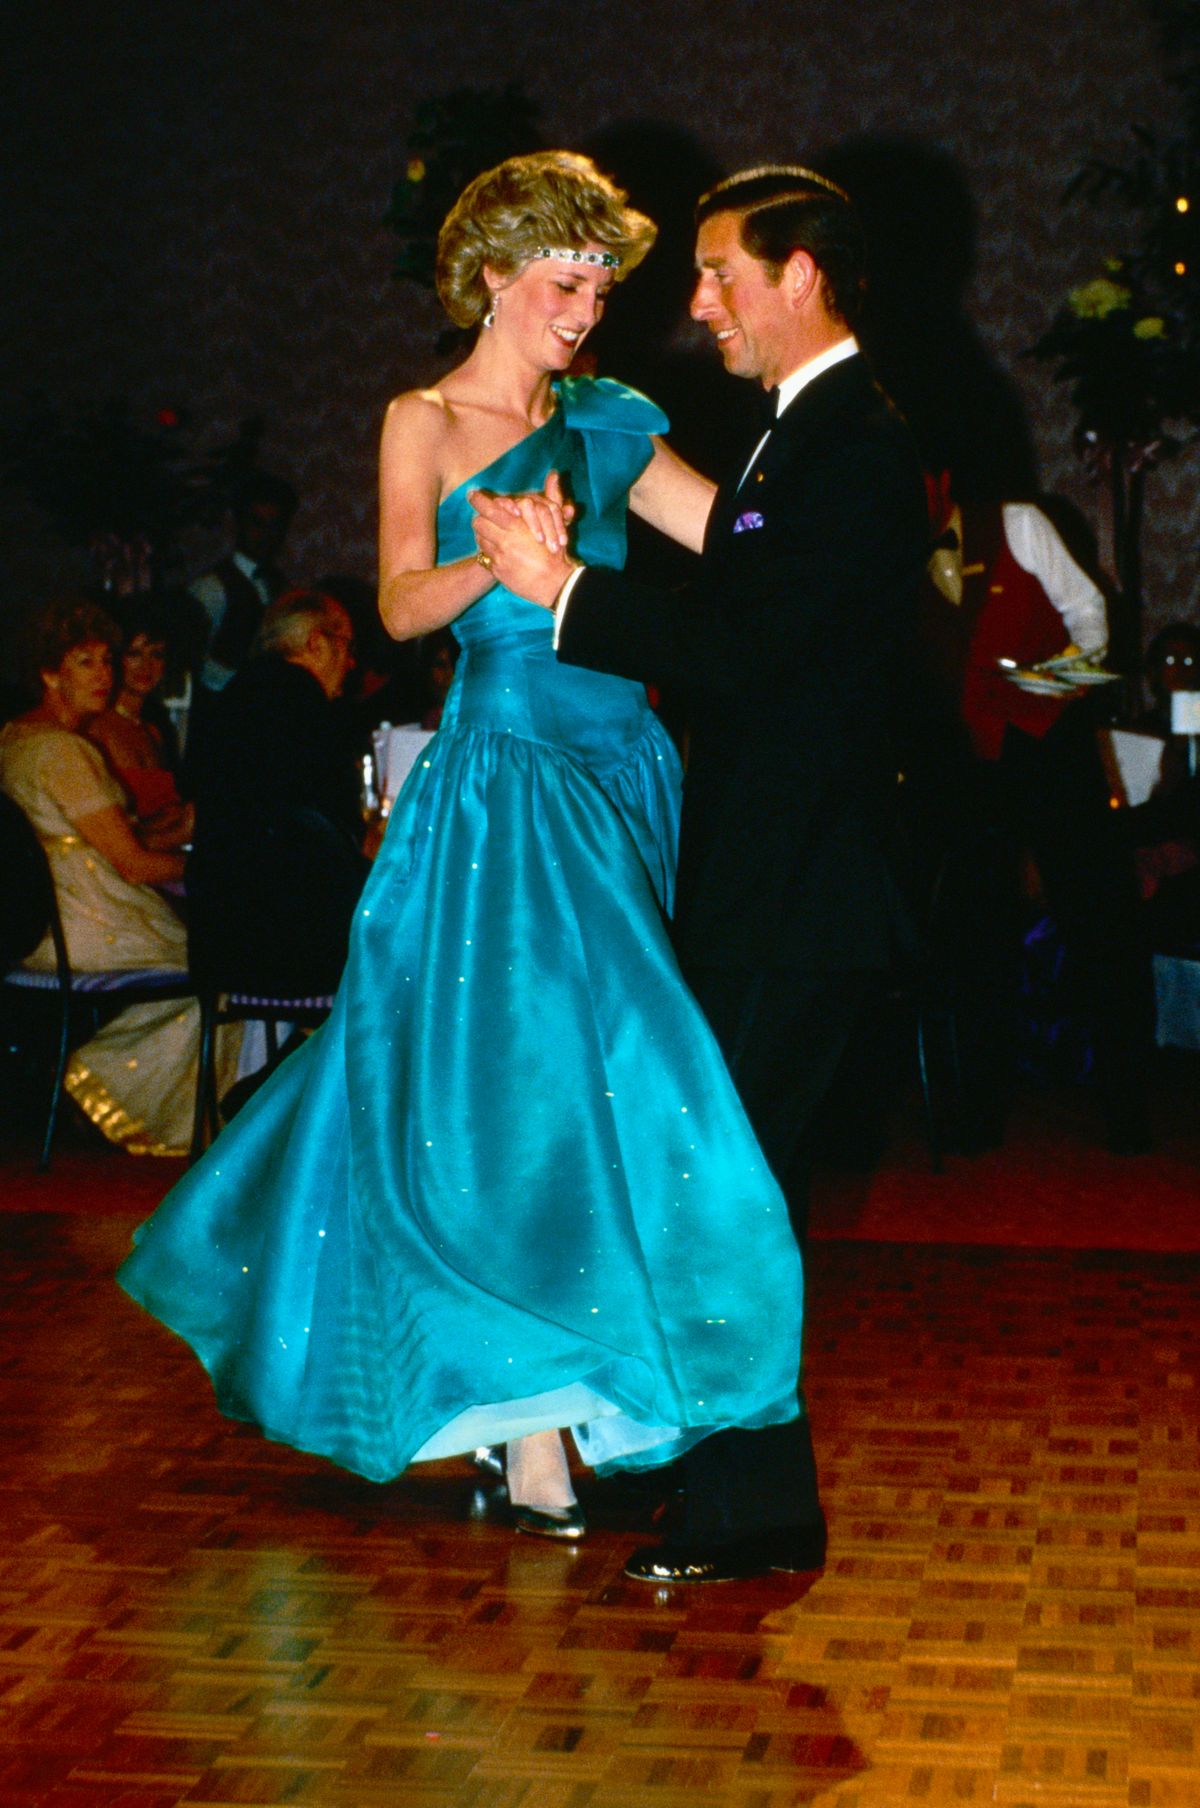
(800, 428)
(814, 414)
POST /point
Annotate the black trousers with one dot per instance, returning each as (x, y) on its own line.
(782, 1033)
(1050, 795)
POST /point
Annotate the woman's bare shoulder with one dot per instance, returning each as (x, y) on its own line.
(441, 434)
(423, 415)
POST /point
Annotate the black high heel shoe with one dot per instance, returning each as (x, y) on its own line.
(539, 1522)
(550, 1522)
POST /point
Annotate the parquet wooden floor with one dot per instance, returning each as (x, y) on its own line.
(1011, 1612)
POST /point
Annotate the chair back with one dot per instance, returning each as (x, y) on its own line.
(28, 907)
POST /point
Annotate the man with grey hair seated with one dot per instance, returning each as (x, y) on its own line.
(278, 863)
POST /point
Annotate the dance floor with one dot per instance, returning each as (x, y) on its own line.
(1007, 1426)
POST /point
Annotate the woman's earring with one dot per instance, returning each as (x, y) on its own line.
(489, 318)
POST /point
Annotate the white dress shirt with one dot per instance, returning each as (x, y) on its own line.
(1035, 545)
(791, 386)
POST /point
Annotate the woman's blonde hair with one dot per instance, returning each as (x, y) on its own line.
(550, 199)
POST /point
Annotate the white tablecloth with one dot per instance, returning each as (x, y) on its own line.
(397, 751)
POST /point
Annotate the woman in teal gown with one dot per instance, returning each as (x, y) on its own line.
(508, 1187)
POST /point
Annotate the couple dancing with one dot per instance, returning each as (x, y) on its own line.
(509, 1186)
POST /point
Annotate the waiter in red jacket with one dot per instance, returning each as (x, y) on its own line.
(1003, 595)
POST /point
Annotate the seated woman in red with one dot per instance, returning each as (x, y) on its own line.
(132, 740)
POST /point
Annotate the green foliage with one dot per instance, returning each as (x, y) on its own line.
(1130, 355)
(456, 137)
(1128, 342)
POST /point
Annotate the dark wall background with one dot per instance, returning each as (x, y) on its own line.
(192, 197)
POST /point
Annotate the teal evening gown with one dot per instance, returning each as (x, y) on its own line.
(508, 1184)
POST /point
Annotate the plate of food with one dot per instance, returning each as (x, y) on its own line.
(1039, 684)
(1079, 667)
(1084, 673)
(1068, 671)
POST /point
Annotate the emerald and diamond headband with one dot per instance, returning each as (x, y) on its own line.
(602, 260)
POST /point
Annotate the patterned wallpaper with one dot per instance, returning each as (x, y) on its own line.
(193, 204)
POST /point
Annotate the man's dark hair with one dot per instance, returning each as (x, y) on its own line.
(784, 207)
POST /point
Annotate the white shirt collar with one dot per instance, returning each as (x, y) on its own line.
(791, 386)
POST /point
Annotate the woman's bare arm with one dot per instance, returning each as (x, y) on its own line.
(673, 498)
(417, 595)
(110, 832)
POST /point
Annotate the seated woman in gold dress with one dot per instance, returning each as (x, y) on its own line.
(136, 1077)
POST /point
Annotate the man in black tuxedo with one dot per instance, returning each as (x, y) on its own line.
(278, 863)
(234, 595)
(789, 645)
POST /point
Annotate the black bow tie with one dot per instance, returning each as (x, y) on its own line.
(768, 405)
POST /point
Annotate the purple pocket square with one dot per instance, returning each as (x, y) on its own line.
(746, 523)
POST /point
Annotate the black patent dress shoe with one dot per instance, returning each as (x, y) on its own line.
(795, 1549)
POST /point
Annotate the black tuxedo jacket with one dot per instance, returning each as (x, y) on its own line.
(277, 869)
(791, 644)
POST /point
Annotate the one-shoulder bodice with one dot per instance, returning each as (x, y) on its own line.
(598, 439)
(509, 680)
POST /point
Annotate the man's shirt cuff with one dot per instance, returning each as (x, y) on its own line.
(561, 601)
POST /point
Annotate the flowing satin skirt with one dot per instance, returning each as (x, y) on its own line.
(508, 1185)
